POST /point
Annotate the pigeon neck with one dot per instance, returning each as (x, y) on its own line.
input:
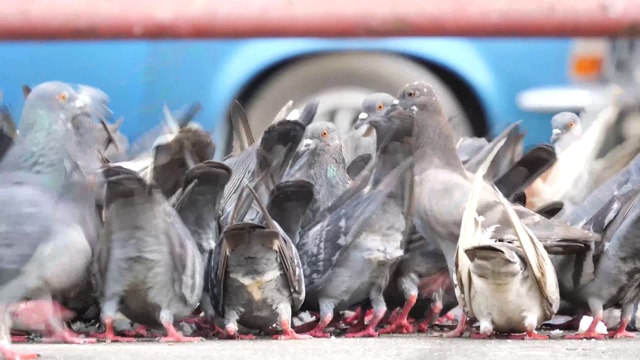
(390, 156)
(434, 146)
(40, 152)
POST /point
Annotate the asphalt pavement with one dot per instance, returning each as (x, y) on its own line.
(399, 347)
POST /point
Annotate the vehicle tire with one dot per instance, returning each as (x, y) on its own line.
(340, 81)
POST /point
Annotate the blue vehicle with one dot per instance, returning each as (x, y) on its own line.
(485, 84)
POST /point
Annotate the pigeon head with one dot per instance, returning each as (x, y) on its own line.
(418, 94)
(321, 136)
(395, 124)
(374, 104)
(49, 105)
(566, 129)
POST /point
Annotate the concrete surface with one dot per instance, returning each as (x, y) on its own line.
(400, 347)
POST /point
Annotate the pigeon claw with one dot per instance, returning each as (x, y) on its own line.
(591, 332)
(481, 336)
(318, 331)
(586, 335)
(318, 334)
(359, 326)
(368, 332)
(353, 319)
(12, 355)
(423, 327)
(460, 328)
(289, 334)
(109, 334)
(174, 336)
(621, 334)
(232, 333)
(138, 331)
(529, 335)
(400, 325)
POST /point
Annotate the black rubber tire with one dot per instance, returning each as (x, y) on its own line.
(303, 79)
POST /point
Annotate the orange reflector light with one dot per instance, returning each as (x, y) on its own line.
(586, 66)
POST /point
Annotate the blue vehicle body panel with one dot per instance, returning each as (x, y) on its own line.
(142, 76)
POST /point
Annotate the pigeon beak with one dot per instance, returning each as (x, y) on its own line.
(307, 144)
(555, 135)
(363, 119)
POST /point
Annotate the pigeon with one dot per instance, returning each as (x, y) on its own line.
(171, 159)
(171, 123)
(87, 127)
(607, 276)
(468, 147)
(412, 267)
(7, 130)
(568, 179)
(199, 209)
(442, 187)
(422, 258)
(525, 171)
(358, 164)
(507, 287)
(114, 142)
(258, 278)
(354, 240)
(268, 158)
(507, 156)
(46, 215)
(622, 181)
(566, 129)
(321, 144)
(149, 265)
(418, 284)
(361, 141)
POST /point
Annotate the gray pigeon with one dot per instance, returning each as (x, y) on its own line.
(171, 124)
(7, 130)
(468, 147)
(353, 238)
(114, 143)
(266, 160)
(319, 160)
(258, 279)
(442, 187)
(190, 146)
(45, 220)
(361, 141)
(149, 265)
(506, 157)
(199, 209)
(607, 276)
(358, 164)
(566, 129)
(624, 180)
(87, 127)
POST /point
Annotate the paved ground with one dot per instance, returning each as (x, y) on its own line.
(404, 347)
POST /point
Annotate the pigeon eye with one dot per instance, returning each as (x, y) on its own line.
(325, 133)
(62, 97)
(380, 107)
(410, 93)
(570, 125)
